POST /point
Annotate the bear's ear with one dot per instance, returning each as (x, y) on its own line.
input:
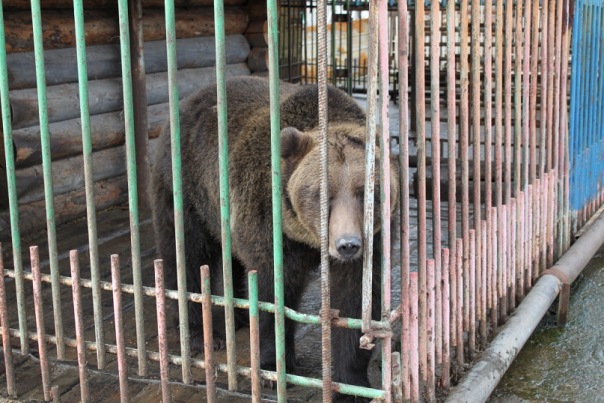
(295, 144)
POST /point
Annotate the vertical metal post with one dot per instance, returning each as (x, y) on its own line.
(254, 336)
(273, 57)
(40, 327)
(47, 174)
(414, 337)
(6, 346)
(179, 232)
(79, 325)
(122, 365)
(420, 104)
(435, 24)
(225, 209)
(132, 184)
(384, 82)
(403, 42)
(324, 190)
(499, 69)
(139, 98)
(9, 155)
(162, 337)
(445, 376)
(93, 249)
(208, 337)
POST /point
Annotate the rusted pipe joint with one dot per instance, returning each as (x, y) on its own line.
(564, 296)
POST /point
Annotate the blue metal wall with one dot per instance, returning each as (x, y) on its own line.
(587, 107)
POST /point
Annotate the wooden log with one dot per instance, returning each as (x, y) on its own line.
(32, 216)
(257, 10)
(3, 181)
(101, 26)
(107, 130)
(96, 4)
(257, 34)
(103, 61)
(106, 95)
(257, 61)
(68, 174)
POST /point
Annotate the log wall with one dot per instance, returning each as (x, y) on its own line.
(196, 60)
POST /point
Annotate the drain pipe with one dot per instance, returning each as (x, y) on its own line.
(478, 383)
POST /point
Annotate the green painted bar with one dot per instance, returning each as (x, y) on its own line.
(47, 174)
(12, 189)
(225, 213)
(89, 182)
(177, 192)
(132, 184)
(273, 59)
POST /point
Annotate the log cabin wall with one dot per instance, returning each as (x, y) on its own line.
(196, 64)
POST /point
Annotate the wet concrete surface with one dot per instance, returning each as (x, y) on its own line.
(564, 364)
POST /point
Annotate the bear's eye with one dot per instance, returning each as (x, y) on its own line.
(360, 194)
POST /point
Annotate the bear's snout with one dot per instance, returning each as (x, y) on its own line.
(348, 246)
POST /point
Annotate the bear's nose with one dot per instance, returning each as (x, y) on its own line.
(348, 246)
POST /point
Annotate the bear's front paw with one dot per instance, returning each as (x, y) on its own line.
(218, 342)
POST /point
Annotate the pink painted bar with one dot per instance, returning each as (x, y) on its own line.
(483, 287)
(119, 327)
(458, 313)
(39, 312)
(435, 23)
(208, 337)
(515, 248)
(445, 377)
(502, 278)
(430, 335)
(162, 336)
(404, 172)
(521, 242)
(79, 325)
(6, 345)
(413, 337)
(472, 328)
(494, 270)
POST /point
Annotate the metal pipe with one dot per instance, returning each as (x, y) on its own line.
(79, 326)
(162, 337)
(6, 346)
(481, 380)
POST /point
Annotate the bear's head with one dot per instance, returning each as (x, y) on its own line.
(301, 168)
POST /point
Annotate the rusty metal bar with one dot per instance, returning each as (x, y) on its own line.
(386, 277)
(162, 336)
(208, 337)
(460, 299)
(372, 87)
(445, 376)
(452, 156)
(509, 35)
(139, 101)
(414, 337)
(131, 174)
(6, 346)
(483, 286)
(494, 270)
(9, 156)
(384, 141)
(502, 275)
(487, 257)
(473, 299)
(431, 368)
(464, 146)
(79, 325)
(495, 223)
(435, 24)
(36, 16)
(93, 248)
(254, 336)
(476, 182)
(521, 239)
(404, 189)
(420, 105)
(40, 327)
(325, 312)
(514, 267)
(120, 342)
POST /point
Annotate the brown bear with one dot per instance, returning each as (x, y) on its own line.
(251, 207)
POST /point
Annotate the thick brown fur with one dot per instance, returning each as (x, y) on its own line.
(251, 206)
